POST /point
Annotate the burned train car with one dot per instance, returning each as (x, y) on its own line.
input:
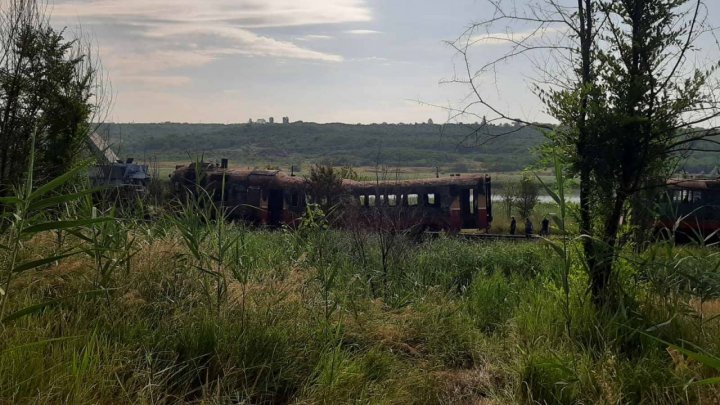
(691, 207)
(439, 204)
(261, 197)
(273, 198)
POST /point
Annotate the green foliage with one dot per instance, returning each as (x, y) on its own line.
(330, 144)
(492, 300)
(549, 380)
(209, 311)
(50, 86)
(25, 216)
(624, 118)
(302, 144)
(526, 196)
(325, 185)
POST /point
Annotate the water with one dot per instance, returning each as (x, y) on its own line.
(544, 199)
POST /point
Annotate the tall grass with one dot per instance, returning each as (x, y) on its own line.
(205, 311)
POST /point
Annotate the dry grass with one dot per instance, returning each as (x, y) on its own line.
(156, 340)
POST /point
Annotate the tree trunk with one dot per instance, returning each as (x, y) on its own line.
(585, 16)
(602, 286)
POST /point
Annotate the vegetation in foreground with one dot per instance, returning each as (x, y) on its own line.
(185, 311)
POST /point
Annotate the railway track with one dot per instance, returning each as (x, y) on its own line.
(491, 236)
(500, 236)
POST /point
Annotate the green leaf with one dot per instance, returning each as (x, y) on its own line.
(41, 262)
(57, 200)
(707, 360)
(557, 248)
(39, 307)
(79, 235)
(57, 182)
(10, 200)
(559, 222)
(55, 225)
(549, 190)
(38, 343)
(708, 381)
(710, 361)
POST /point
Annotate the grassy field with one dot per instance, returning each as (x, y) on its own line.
(172, 304)
(176, 311)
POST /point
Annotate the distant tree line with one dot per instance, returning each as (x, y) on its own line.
(449, 146)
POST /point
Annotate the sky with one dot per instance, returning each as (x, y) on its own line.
(227, 61)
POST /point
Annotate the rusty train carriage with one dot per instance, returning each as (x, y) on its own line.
(448, 203)
(695, 202)
(273, 198)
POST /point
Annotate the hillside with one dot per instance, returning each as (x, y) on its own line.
(451, 147)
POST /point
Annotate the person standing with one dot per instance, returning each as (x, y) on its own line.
(528, 227)
(545, 230)
(513, 226)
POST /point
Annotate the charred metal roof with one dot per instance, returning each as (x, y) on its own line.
(470, 180)
(695, 184)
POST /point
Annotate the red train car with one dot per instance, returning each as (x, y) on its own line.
(438, 204)
(274, 198)
(691, 207)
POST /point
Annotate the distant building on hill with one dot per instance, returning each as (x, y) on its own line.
(261, 121)
(430, 121)
(286, 120)
(271, 120)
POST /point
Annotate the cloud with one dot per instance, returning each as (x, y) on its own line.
(155, 38)
(230, 20)
(239, 13)
(133, 63)
(362, 32)
(238, 41)
(150, 81)
(313, 37)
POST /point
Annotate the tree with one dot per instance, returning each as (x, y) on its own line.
(619, 79)
(325, 186)
(49, 85)
(508, 197)
(526, 196)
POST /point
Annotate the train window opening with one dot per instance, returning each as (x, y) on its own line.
(412, 200)
(253, 196)
(472, 201)
(392, 200)
(680, 196)
(372, 199)
(432, 200)
(382, 200)
(363, 200)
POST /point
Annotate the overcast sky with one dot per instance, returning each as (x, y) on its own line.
(312, 60)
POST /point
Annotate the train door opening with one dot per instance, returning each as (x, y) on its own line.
(275, 207)
(467, 208)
